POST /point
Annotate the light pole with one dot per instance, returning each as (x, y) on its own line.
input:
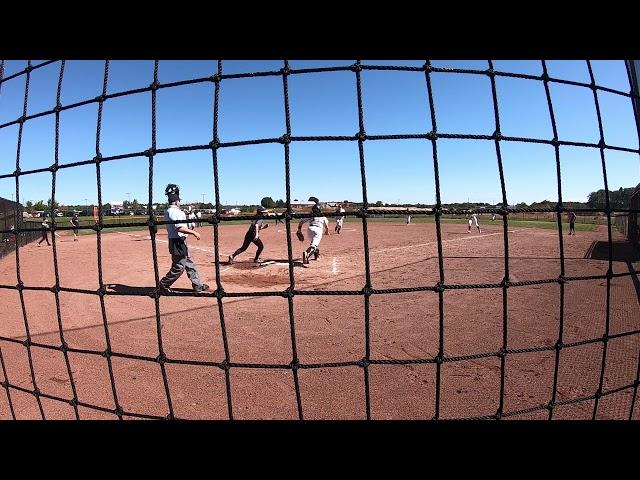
(203, 199)
(128, 194)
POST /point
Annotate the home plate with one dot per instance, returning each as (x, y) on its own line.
(265, 263)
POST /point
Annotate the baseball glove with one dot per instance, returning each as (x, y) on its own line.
(300, 235)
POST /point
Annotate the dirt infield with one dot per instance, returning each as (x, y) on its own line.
(328, 328)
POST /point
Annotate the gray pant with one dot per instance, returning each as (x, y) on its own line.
(178, 266)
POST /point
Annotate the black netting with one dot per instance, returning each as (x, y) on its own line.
(22, 233)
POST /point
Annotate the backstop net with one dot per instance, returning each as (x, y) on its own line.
(506, 318)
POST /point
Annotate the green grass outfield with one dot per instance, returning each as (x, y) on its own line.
(581, 227)
(116, 220)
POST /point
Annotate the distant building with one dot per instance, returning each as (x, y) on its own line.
(299, 204)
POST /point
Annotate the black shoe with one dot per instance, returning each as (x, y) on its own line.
(165, 290)
(203, 288)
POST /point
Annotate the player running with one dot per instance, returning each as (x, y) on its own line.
(317, 225)
(252, 236)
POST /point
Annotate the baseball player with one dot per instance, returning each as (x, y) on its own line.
(340, 220)
(408, 217)
(45, 229)
(317, 224)
(180, 260)
(76, 223)
(572, 223)
(252, 236)
(192, 219)
(473, 219)
(199, 217)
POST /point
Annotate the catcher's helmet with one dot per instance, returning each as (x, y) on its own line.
(316, 210)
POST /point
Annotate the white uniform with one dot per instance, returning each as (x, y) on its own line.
(192, 218)
(340, 220)
(174, 213)
(316, 229)
(473, 220)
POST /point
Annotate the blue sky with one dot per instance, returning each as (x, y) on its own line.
(320, 104)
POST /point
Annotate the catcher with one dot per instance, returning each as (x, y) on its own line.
(317, 224)
(252, 236)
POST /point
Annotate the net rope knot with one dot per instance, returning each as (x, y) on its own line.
(356, 67)
(285, 139)
(294, 365)
(150, 152)
(155, 85)
(364, 362)
(161, 358)
(214, 144)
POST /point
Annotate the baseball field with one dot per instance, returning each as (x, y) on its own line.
(234, 359)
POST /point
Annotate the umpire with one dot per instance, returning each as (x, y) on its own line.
(180, 260)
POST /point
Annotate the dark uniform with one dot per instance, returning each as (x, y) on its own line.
(45, 230)
(252, 236)
(76, 223)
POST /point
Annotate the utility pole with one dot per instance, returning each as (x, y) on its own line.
(203, 199)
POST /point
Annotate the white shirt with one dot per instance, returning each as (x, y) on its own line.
(174, 213)
(316, 222)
